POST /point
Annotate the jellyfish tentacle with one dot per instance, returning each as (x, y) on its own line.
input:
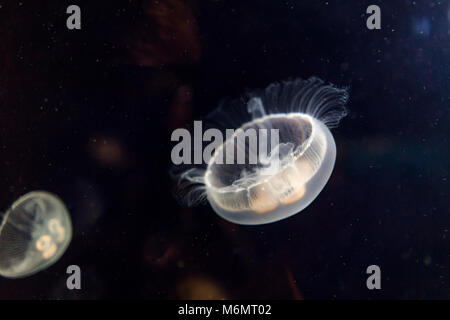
(255, 108)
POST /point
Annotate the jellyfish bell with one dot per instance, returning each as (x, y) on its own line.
(34, 233)
(263, 197)
(295, 168)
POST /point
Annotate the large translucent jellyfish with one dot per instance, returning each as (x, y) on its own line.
(34, 234)
(293, 172)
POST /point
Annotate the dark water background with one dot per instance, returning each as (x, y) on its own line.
(387, 202)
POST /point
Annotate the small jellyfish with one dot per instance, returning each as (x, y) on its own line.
(296, 167)
(34, 234)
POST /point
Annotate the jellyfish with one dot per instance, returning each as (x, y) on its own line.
(34, 233)
(295, 167)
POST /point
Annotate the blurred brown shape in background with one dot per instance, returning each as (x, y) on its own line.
(173, 38)
(199, 288)
(108, 151)
(296, 295)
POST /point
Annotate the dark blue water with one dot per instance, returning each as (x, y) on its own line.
(71, 94)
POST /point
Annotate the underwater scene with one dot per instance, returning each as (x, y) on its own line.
(225, 150)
